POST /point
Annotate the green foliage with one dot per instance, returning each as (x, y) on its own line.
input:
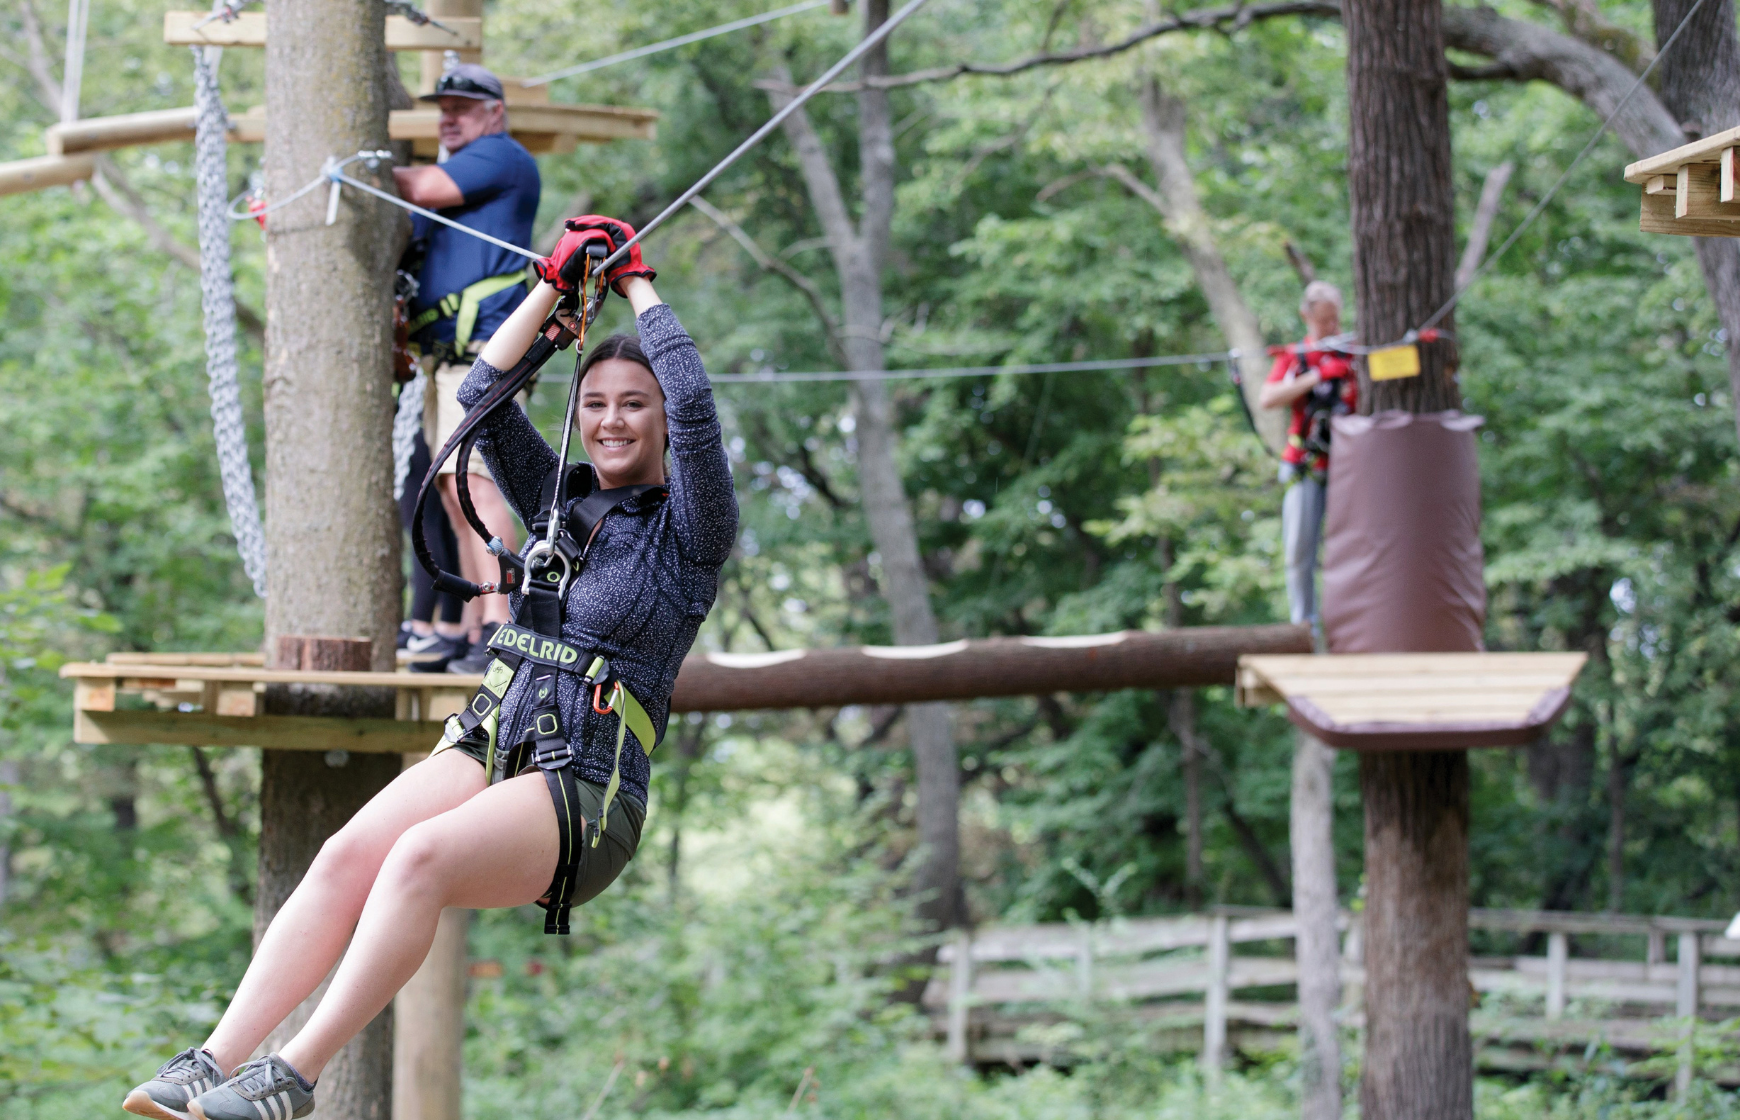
(762, 927)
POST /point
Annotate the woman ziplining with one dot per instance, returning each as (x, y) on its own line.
(540, 800)
(515, 804)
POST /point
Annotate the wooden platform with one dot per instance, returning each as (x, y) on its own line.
(1415, 701)
(208, 699)
(1691, 190)
(204, 700)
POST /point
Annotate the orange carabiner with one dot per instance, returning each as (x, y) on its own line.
(597, 694)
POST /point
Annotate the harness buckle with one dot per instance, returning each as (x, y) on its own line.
(554, 758)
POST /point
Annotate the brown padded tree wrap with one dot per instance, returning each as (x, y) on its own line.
(1402, 562)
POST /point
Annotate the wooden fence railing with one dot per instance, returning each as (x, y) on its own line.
(1603, 979)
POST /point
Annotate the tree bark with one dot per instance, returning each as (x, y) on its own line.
(1700, 85)
(1419, 1061)
(332, 529)
(1164, 121)
(1181, 717)
(1316, 946)
(332, 532)
(305, 797)
(1418, 1056)
(859, 250)
(1480, 229)
(1189, 657)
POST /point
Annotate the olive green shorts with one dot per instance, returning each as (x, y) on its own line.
(600, 866)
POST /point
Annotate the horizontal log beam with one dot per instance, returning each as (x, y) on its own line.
(542, 127)
(248, 29)
(973, 669)
(23, 175)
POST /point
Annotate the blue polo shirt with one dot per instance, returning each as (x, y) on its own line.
(499, 180)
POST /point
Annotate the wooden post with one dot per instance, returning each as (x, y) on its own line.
(1419, 1062)
(429, 1028)
(1215, 1000)
(429, 1023)
(306, 796)
(1311, 828)
(432, 60)
(1084, 963)
(1686, 999)
(1558, 954)
(332, 531)
(960, 995)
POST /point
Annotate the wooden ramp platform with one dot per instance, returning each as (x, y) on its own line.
(1415, 701)
(1691, 189)
(218, 700)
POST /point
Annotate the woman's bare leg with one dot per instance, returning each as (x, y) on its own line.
(309, 932)
(497, 849)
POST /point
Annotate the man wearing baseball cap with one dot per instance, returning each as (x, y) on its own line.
(466, 289)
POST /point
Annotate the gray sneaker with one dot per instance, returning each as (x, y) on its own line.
(180, 1079)
(265, 1089)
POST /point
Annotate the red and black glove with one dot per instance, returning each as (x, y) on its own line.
(620, 233)
(573, 243)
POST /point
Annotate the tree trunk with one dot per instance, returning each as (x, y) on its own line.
(859, 251)
(332, 532)
(1315, 909)
(1698, 88)
(305, 797)
(1181, 716)
(1419, 1061)
(1418, 1058)
(1700, 85)
(1163, 133)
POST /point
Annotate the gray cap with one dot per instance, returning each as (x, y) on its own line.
(468, 79)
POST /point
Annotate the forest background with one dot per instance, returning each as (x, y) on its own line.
(750, 938)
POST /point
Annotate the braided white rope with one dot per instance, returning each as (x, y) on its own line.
(217, 299)
(407, 422)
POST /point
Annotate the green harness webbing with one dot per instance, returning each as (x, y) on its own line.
(535, 636)
(462, 306)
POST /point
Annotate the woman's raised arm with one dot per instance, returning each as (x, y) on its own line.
(514, 337)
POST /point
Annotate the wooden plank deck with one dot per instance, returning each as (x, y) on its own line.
(1414, 701)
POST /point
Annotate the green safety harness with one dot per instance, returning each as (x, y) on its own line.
(573, 510)
(462, 306)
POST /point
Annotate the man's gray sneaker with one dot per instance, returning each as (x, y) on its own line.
(181, 1078)
(266, 1089)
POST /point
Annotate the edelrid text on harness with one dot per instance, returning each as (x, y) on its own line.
(573, 509)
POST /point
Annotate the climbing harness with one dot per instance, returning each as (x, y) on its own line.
(462, 307)
(573, 509)
(218, 306)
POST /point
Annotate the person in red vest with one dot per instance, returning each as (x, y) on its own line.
(1316, 381)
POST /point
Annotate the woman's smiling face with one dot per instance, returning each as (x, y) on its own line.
(622, 423)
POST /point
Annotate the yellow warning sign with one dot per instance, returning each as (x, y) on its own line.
(1394, 362)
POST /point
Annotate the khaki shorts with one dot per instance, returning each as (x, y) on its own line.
(442, 414)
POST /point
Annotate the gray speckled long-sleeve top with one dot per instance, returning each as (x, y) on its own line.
(654, 567)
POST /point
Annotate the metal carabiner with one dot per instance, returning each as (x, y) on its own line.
(539, 558)
(598, 694)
